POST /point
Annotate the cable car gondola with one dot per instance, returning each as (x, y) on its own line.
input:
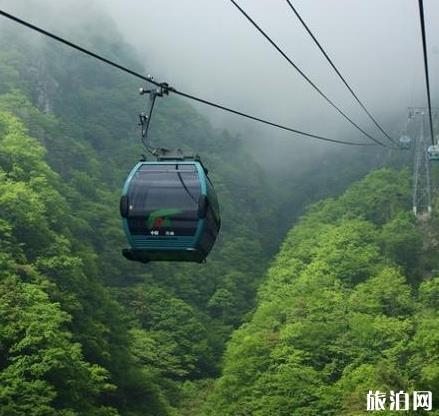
(433, 152)
(169, 206)
(170, 211)
(405, 142)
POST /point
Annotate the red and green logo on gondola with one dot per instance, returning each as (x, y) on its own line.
(161, 218)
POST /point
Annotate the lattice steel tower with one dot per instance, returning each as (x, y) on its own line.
(421, 173)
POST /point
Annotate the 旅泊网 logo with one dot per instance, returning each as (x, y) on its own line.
(400, 401)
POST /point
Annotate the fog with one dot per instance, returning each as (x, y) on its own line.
(208, 49)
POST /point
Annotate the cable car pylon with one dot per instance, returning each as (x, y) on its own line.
(421, 174)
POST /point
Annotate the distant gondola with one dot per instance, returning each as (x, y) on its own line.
(433, 152)
(170, 211)
(405, 142)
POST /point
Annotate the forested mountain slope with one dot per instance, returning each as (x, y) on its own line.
(82, 330)
(349, 305)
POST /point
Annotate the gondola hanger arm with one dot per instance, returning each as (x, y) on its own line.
(145, 117)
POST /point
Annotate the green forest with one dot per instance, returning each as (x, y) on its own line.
(308, 300)
(347, 306)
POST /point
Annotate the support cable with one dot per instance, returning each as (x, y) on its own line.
(338, 72)
(290, 61)
(168, 89)
(427, 78)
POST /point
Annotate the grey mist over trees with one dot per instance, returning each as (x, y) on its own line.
(207, 48)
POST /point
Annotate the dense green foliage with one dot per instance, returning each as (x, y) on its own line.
(107, 336)
(116, 334)
(346, 308)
